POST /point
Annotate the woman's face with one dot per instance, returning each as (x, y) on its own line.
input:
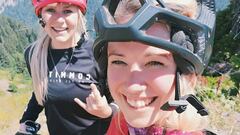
(61, 21)
(141, 78)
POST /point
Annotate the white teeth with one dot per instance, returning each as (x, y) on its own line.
(139, 102)
(59, 29)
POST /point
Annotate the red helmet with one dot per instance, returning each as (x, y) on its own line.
(39, 4)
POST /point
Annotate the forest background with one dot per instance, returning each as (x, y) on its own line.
(218, 87)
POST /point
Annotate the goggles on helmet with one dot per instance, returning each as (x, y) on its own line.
(200, 31)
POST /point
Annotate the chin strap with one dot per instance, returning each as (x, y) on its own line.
(180, 103)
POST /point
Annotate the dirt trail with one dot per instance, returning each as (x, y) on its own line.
(4, 85)
(11, 128)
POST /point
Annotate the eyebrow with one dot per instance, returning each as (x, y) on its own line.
(165, 55)
(64, 5)
(67, 5)
(115, 54)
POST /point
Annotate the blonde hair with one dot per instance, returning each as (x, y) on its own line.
(38, 61)
(184, 7)
(189, 120)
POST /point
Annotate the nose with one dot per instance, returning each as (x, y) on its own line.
(136, 81)
(136, 89)
(59, 17)
(135, 67)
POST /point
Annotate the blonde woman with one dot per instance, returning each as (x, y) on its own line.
(151, 53)
(64, 74)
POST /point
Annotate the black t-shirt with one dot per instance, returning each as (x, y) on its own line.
(71, 71)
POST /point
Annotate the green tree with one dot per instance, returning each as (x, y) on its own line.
(14, 37)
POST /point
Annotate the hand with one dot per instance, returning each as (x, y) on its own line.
(28, 128)
(22, 130)
(95, 104)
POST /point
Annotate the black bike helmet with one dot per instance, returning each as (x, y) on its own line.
(199, 32)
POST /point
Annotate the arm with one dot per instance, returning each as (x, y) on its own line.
(33, 108)
(32, 111)
(27, 124)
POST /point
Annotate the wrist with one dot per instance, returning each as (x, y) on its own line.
(108, 112)
(113, 108)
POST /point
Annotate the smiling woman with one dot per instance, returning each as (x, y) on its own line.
(62, 24)
(140, 84)
(138, 81)
(151, 53)
(64, 73)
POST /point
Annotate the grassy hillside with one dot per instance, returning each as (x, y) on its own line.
(13, 103)
(219, 96)
(14, 37)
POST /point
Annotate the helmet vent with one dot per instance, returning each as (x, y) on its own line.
(183, 40)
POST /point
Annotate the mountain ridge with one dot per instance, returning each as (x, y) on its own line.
(23, 11)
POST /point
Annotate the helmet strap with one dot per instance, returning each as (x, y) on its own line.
(180, 103)
(177, 104)
(177, 85)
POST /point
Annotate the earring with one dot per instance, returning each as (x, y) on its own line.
(42, 22)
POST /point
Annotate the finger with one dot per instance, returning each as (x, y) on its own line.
(82, 104)
(92, 97)
(95, 91)
(104, 99)
(91, 104)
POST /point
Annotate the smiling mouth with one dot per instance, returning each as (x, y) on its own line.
(59, 29)
(140, 103)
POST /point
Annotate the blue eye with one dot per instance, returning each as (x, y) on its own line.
(50, 10)
(118, 62)
(67, 11)
(154, 63)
